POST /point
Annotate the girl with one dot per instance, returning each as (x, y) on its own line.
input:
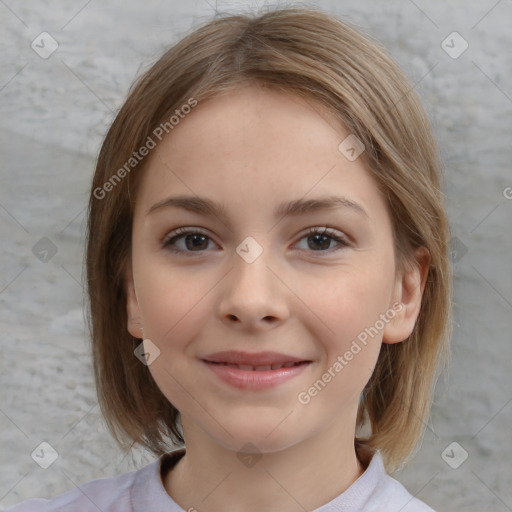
(268, 274)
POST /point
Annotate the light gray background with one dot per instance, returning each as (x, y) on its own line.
(54, 113)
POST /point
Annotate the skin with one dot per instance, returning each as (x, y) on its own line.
(252, 149)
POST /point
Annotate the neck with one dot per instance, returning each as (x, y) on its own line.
(306, 475)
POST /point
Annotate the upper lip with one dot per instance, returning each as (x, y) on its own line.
(254, 359)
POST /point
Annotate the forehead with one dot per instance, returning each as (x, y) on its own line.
(253, 148)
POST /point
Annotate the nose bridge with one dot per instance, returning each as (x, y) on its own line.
(252, 292)
(251, 262)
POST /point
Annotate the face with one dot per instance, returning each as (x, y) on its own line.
(250, 277)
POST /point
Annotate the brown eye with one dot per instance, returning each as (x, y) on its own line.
(320, 240)
(191, 240)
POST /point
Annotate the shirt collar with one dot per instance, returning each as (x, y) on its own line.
(149, 495)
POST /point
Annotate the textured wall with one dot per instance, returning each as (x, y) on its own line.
(53, 114)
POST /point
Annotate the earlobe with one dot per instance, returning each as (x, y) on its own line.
(132, 307)
(409, 292)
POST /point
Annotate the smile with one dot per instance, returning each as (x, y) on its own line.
(256, 378)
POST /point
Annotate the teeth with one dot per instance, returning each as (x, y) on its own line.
(249, 367)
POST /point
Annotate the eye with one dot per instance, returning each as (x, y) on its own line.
(194, 240)
(321, 238)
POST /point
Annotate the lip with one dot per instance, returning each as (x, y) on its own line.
(254, 359)
(255, 380)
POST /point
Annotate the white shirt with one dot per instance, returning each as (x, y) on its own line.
(143, 491)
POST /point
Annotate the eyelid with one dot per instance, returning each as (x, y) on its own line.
(331, 232)
(183, 231)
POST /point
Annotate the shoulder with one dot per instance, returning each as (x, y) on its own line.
(105, 494)
(392, 493)
(398, 498)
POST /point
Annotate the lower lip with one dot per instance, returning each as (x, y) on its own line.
(259, 379)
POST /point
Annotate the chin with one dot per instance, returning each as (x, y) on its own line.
(256, 440)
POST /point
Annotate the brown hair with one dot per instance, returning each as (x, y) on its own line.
(305, 52)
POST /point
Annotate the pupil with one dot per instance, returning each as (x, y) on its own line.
(195, 239)
(326, 241)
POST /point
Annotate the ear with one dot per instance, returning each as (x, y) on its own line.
(132, 305)
(408, 291)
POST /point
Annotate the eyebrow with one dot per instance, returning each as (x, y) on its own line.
(296, 207)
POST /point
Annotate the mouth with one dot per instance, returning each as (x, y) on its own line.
(255, 377)
(259, 368)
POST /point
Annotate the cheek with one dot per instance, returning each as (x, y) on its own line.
(174, 308)
(171, 304)
(350, 309)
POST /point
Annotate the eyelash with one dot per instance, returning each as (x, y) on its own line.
(181, 232)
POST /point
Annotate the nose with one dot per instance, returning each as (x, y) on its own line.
(253, 295)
